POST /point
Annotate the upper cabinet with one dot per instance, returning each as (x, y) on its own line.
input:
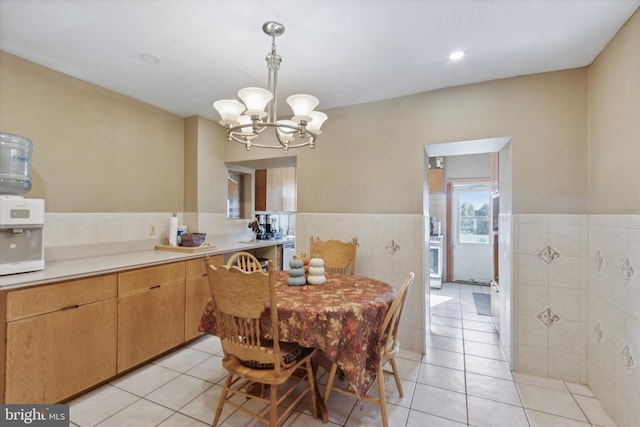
(436, 175)
(436, 181)
(276, 189)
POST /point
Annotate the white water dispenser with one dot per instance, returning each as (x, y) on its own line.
(21, 234)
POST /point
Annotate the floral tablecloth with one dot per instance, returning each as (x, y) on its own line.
(341, 318)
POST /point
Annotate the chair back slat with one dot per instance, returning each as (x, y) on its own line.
(240, 299)
(244, 261)
(391, 324)
(339, 257)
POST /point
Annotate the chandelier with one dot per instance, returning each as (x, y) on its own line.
(245, 121)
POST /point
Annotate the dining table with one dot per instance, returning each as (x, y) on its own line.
(342, 318)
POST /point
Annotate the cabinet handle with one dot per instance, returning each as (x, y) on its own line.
(155, 287)
(70, 307)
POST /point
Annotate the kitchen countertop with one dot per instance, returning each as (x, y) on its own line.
(77, 268)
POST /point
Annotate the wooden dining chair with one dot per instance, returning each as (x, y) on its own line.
(241, 298)
(390, 345)
(338, 256)
(244, 261)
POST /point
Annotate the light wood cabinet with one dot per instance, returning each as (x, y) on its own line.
(196, 293)
(151, 312)
(60, 339)
(436, 180)
(276, 189)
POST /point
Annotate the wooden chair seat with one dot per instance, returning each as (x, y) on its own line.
(289, 352)
(264, 375)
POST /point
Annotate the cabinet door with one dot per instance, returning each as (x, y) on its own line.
(281, 189)
(436, 180)
(289, 192)
(261, 190)
(197, 294)
(56, 355)
(150, 322)
(274, 189)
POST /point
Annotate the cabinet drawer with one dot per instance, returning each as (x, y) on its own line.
(46, 299)
(197, 267)
(145, 278)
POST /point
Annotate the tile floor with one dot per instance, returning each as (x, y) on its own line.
(463, 380)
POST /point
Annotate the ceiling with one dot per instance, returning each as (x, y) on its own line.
(344, 52)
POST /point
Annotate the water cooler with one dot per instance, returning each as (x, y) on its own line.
(21, 220)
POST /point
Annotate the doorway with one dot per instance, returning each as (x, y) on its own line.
(503, 171)
(470, 244)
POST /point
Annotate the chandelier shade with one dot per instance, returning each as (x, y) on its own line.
(302, 105)
(317, 119)
(286, 133)
(245, 121)
(229, 110)
(256, 100)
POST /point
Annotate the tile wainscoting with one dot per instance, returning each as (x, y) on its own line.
(613, 315)
(78, 235)
(72, 229)
(577, 304)
(550, 308)
(389, 247)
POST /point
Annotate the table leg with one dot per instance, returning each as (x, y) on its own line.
(324, 413)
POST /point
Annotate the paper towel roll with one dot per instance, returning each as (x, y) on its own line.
(173, 231)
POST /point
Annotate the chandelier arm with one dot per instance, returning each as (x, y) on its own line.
(237, 130)
(300, 130)
(248, 140)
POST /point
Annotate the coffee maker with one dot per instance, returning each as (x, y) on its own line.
(264, 227)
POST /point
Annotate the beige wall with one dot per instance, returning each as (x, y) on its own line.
(613, 320)
(97, 151)
(94, 150)
(212, 172)
(369, 158)
(614, 124)
(205, 186)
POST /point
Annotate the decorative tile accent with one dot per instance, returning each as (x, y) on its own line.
(627, 357)
(548, 317)
(599, 260)
(392, 247)
(599, 332)
(548, 254)
(627, 271)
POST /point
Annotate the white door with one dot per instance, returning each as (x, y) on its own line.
(471, 233)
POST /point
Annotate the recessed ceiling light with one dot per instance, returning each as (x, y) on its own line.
(147, 57)
(458, 54)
